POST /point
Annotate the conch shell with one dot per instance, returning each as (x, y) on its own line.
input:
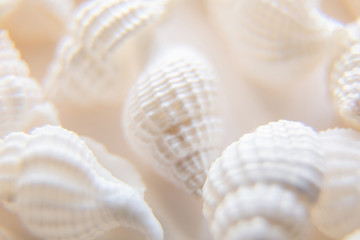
(262, 186)
(97, 60)
(22, 106)
(60, 191)
(337, 212)
(274, 42)
(171, 117)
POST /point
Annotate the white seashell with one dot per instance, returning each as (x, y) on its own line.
(102, 51)
(22, 106)
(37, 21)
(274, 42)
(61, 191)
(261, 186)
(337, 212)
(10, 62)
(171, 117)
(344, 85)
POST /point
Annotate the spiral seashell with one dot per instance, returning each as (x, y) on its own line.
(284, 38)
(62, 192)
(101, 52)
(171, 117)
(337, 212)
(10, 62)
(261, 186)
(344, 78)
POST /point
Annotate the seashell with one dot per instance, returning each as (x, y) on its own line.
(22, 106)
(10, 61)
(102, 51)
(344, 78)
(62, 192)
(4, 235)
(6, 6)
(45, 20)
(262, 186)
(171, 117)
(284, 38)
(337, 212)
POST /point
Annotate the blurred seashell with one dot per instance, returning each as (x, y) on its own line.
(61, 191)
(10, 60)
(337, 212)
(171, 117)
(344, 85)
(45, 20)
(119, 167)
(261, 186)
(4, 235)
(22, 106)
(274, 42)
(102, 52)
(6, 6)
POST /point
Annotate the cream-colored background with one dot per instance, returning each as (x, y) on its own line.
(244, 107)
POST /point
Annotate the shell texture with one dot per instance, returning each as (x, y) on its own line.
(262, 186)
(22, 106)
(284, 38)
(353, 7)
(337, 211)
(62, 192)
(344, 85)
(171, 117)
(100, 52)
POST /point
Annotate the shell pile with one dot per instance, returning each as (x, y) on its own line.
(163, 83)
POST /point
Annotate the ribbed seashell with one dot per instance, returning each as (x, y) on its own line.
(62, 192)
(261, 186)
(10, 61)
(101, 52)
(337, 212)
(22, 107)
(274, 42)
(45, 20)
(171, 117)
(344, 85)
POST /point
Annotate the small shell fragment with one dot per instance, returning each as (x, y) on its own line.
(337, 212)
(274, 42)
(262, 186)
(99, 57)
(61, 192)
(171, 117)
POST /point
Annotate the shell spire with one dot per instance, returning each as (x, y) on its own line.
(262, 186)
(61, 192)
(102, 51)
(22, 105)
(171, 117)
